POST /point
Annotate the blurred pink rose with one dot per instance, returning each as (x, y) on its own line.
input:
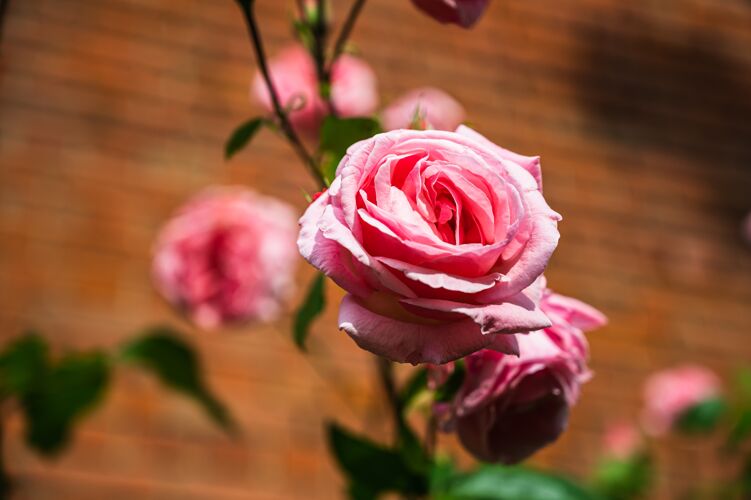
(465, 13)
(622, 440)
(227, 256)
(746, 228)
(439, 238)
(354, 90)
(668, 394)
(432, 108)
(509, 407)
(293, 72)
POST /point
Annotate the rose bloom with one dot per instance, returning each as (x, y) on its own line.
(622, 440)
(439, 238)
(431, 108)
(293, 73)
(509, 406)
(465, 13)
(227, 256)
(668, 394)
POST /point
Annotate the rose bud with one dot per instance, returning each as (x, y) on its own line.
(622, 440)
(669, 394)
(227, 256)
(293, 73)
(465, 13)
(509, 406)
(425, 108)
(439, 238)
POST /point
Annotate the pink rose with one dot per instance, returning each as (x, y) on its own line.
(293, 72)
(465, 13)
(622, 440)
(439, 238)
(668, 394)
(431, 108)
(227, 256)
(509, 407)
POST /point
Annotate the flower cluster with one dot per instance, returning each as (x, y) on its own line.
(439, 236)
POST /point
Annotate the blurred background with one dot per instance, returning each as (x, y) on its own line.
(113, 112)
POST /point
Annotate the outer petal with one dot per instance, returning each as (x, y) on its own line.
(530, 163)
(517, 314)
(577, 313)
(327, 255)
(408, 342)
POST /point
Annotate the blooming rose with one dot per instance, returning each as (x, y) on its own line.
(227, 256)
(622, 440)
(439, 238)
(509, 406)
(293, 73)
(668, 394)
(465, 13)
(429, 107)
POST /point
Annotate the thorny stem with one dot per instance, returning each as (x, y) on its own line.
(386, 376)
(319, 40)
(346, 30)
(247, 8)
(5, 482)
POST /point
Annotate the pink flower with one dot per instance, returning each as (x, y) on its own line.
(622, 440)
(439, 238)
(431, 108)
(746, 228)
(354, 89)
(227, 256)
(668, 394)
(293, 72)
(509, 407)
(465, 13)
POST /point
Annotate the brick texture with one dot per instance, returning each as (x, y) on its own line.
(113, 112)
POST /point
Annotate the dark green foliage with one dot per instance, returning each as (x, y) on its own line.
(371, 468)
(176, 365)
(338, 134)
(312, 306)
(242, 136)
(619, 479)
(703, 417)
(495, 482)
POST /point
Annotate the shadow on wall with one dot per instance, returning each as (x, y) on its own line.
(676, 93)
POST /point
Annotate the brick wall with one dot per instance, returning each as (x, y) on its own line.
(113, 112)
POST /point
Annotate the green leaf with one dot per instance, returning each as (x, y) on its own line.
(442, 475)
(242, 136)
(62, 395)
(513, 483)
(624, 479)
(177, 366)
(371, 468)
(312, 306)
(447, 391)
(22, 363)
(338, 134)
(740, 430)
(703, 417)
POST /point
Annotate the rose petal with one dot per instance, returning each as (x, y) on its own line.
(408, 342)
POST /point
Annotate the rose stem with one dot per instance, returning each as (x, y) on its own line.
(5, 483)
(347, 27)
(386, 376)
(284, 123)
